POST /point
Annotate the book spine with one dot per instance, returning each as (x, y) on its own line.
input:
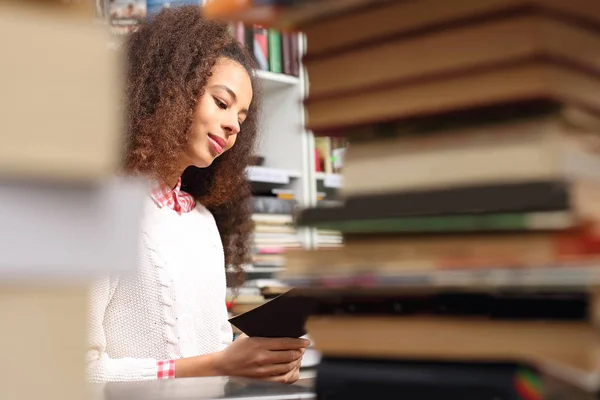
(275, 59)
(448, 224)
(286, 49)
(339, 378)
(272, 205)
(249, 39)
(295, 56)
(261, 47)
(502, 198)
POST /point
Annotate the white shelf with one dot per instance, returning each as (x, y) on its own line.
(273, 81)
(331, 181)
(271, 175)
(262, 270)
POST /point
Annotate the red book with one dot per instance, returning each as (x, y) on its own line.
(261, 47)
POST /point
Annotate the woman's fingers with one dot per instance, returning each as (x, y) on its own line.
(277, 369)
(283, 356)
(284, 343)
(290, 377)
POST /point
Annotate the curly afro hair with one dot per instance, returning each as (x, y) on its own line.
(170, 58)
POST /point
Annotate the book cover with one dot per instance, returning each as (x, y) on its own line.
(261, 47)
(283, 316)
(295, 56)
(126, 14)
(275, 51)
(286, 49)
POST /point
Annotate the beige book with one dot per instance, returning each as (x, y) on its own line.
(318, 262)
(390, 254)
(557, 146)
(459, 48)
(574, 344)
(61, 96)
(404, 17)
(272, 219)
(521, 81)
(43, 341)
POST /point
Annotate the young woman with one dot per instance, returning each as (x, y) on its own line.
(192, 114)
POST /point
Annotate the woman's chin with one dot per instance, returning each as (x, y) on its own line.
(201, 158)
(203, 162)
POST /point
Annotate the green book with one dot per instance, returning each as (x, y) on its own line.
(275, 61)
(456, 223)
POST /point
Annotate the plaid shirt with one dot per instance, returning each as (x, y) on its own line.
(175, 199)
(181, 202)
(166, 369)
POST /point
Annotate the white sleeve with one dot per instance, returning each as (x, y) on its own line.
(99, 366)
(226, 330)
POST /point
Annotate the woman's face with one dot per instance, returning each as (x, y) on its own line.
(219, 113)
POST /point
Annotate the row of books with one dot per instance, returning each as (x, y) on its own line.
(470, 215)
(273, 50)
(274, 231)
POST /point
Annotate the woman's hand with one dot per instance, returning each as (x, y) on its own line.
(273, 359)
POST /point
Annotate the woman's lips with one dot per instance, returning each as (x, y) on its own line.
(218, 143)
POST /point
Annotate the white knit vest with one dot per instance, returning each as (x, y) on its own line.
(172, 307)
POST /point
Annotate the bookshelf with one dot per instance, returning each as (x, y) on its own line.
(286, 147)
(289, 148)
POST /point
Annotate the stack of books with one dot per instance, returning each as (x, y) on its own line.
(243, 299)
(274, 230)
(67, 220)
(471, 186)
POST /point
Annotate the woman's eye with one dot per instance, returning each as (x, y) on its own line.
(220, 104)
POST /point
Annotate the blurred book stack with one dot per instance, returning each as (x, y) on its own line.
(67, 218)
(470, 199)
(274, 233)
(274, 230)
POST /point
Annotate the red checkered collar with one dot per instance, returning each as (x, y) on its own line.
(175, 198)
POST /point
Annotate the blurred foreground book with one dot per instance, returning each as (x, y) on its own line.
(60, 95)
(66, 218)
